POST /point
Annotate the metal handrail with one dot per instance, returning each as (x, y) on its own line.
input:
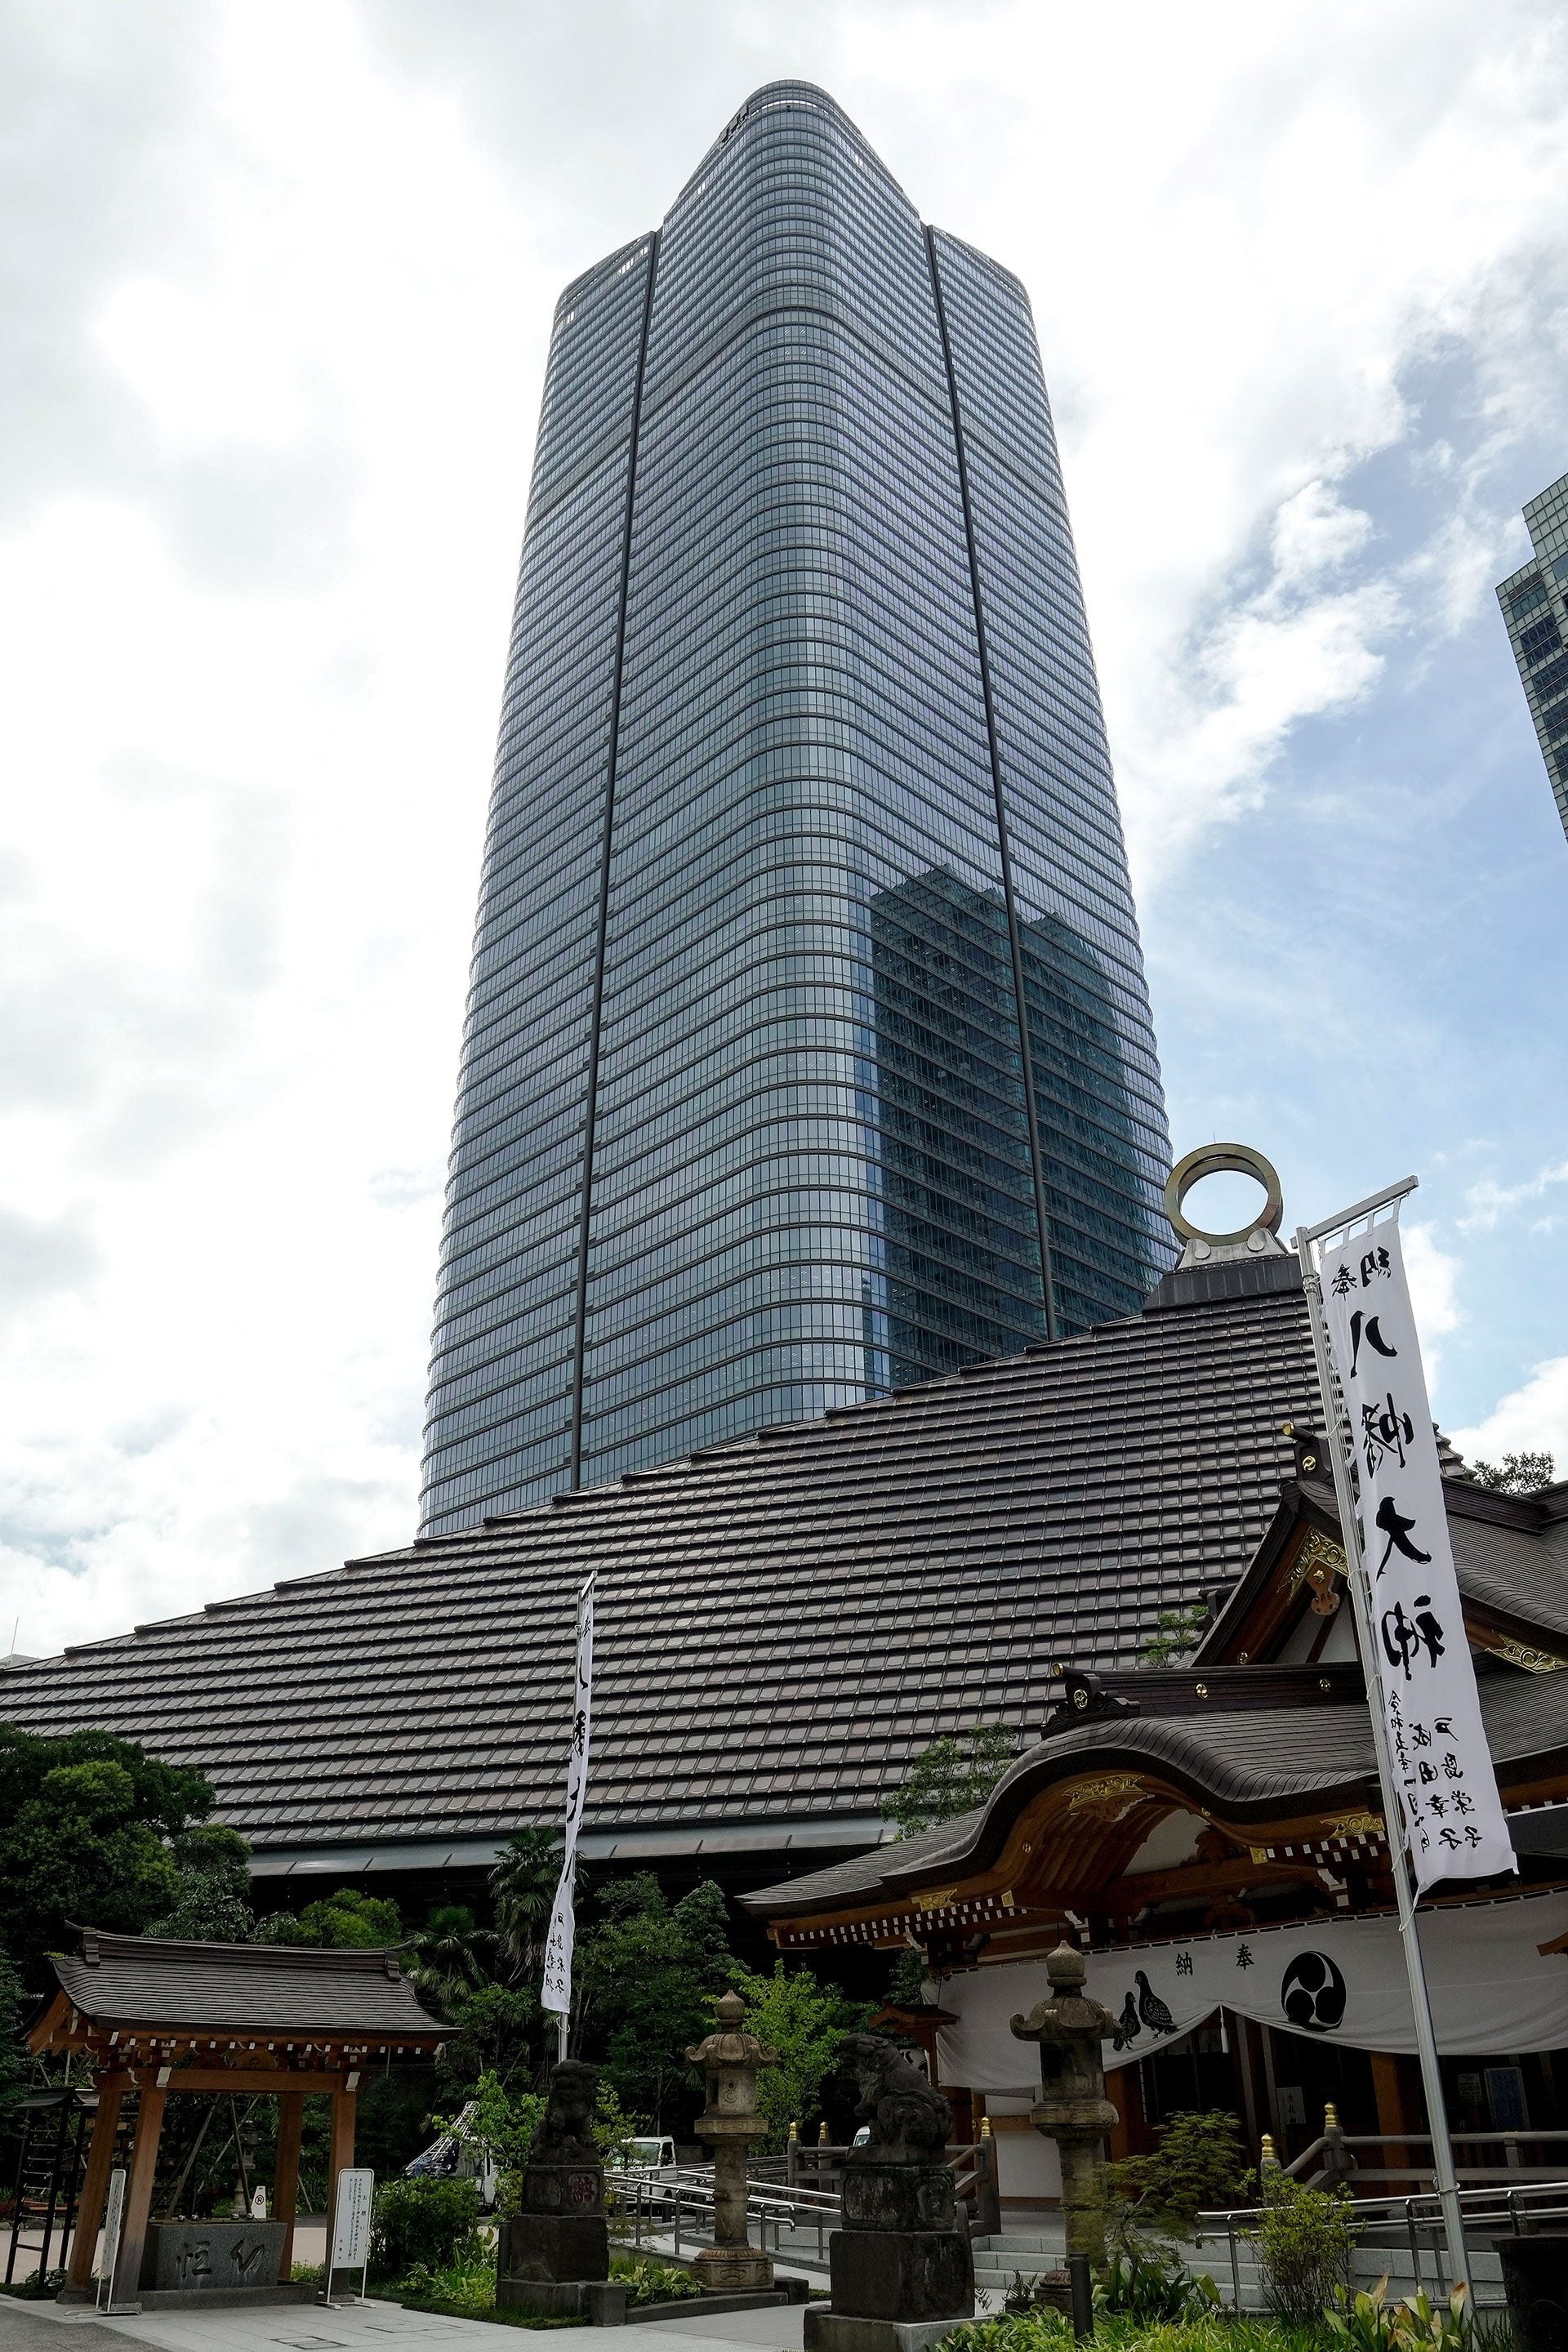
(1513, 2210)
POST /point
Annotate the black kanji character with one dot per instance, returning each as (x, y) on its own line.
(1450, 1837)
(1438, 1805)
(1373, 1263)
(1428, 1775)
(1461, 1803)
(1243, 1956)
(1386, 1430)
(1452, 1768)
(1428, 1626)
(1184, 1964)
(1420, 1736)
(1366, 1328)
(1344, 1280)
(1397, 1530)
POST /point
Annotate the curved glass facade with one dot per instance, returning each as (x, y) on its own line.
(802, 799)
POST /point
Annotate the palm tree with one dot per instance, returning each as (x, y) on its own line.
(447, 1953)
(522, 1886)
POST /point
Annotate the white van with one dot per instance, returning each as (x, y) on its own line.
(654, 2157)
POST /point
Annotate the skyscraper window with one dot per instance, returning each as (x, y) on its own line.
(1534, 603)
(808, 1051)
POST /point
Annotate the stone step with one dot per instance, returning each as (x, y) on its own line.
(1023, 2241)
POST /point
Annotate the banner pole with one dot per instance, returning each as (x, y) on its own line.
(1393, 1810)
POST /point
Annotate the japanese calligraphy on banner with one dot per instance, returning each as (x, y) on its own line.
(1454, 1818)
(1340, 1980)
(558, 1947)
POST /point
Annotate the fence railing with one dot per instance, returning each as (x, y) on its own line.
(1332, 2157)
(1500, 2211)
(676, 2202)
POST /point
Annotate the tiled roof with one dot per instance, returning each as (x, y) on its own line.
(783, 1622)
(1247, 1762)
(124, 1981)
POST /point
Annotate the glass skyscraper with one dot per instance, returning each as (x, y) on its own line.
(1534, 603)
(808, 1051)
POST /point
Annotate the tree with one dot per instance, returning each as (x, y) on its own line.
(951, 1777)
(213, 1864)
(14, 2066)
(646, 1975)
(1176, 1632)
(1518, 1474)
(448, 1950)
(805, 2021)
(907, 1977)
(85, 1825)
(347, 1920)
(522, 1888)
(1197, 2166)
(497, 2031)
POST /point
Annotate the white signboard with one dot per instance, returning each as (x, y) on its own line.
(113, 2217)
(1493, 1990)
(1454, 1818)
(556, 1994)
(351, 2219)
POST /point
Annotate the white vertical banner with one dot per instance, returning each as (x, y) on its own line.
(1454, 1826)
(557, 1991)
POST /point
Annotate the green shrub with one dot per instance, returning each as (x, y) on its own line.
(1154, 2289)
(1198, 2166)
(467, 2286)
(1370, 2323)
(1304, 2238)
(431, 2222)
(647, 2280)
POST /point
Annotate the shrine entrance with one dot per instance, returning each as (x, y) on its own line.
(156, 2019)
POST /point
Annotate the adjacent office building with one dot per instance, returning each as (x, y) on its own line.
(1534, 601)
(808, 1051)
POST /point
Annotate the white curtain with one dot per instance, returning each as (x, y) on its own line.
(1493, 1992)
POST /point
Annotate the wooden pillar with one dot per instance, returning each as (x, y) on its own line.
(1400, 2107)
(95, 2187)
(286, 2180)
(127, 2277)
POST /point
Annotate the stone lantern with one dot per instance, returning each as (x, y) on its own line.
(730, 2061)
(1072, 2108)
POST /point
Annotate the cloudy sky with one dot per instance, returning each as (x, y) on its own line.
(276, 277)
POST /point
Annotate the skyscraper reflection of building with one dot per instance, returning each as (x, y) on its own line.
(802, 791)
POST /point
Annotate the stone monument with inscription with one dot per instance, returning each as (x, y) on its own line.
(554, 2254)
(900, 2267)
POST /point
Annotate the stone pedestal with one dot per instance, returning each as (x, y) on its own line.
(560, 2231)
(198, 2258)
(899, 2255)
(559, 2236)
(899, 2263)
(836, 2331)
(601, 2302)
(1535, 2282)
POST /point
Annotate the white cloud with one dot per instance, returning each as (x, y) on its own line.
(1315, 533)
(1487, 1201)
(1531, 1419)
(1434, 1275)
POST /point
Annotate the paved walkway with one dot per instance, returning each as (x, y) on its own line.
(368, 2327)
